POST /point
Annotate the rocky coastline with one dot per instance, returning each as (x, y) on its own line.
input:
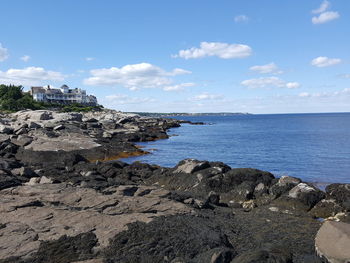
(65, 197)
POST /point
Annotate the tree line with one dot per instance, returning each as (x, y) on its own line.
(13, 98)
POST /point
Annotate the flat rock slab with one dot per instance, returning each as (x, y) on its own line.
(32, 214)
(333, 242)
(63, 143)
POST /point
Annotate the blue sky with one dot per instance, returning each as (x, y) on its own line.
(255, 56)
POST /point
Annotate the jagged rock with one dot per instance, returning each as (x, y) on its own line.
(333, 242)
(191, 166)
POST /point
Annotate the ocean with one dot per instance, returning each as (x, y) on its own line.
(313, 147)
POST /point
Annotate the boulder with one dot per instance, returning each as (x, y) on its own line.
(283, 185)
(326, 208)
(6, 129)
(333, 242)
(22, 140)
(24, 171)
(341, 193)
(33, 125)
(307, 194)
(190, 166)
(67, 116)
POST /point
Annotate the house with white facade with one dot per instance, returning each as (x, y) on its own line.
(64, 95)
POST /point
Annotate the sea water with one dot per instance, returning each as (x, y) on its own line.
(314, 147)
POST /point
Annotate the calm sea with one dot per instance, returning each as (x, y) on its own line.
(314, 147)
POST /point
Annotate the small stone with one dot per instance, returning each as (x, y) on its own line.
(33, 181)
(45, 180)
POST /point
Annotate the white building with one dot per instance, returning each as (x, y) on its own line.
(63, 95)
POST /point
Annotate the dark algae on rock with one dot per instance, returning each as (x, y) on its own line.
(64, 198)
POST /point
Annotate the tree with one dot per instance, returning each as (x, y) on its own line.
(12, 98)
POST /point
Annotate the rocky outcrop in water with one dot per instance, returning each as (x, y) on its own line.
(59, 204)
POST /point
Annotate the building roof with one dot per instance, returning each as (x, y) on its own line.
(38, 90)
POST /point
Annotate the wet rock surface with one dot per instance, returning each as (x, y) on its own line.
(64, 197)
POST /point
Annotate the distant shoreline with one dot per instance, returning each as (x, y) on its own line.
(172, 114)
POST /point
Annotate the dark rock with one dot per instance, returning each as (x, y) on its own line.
(240, 193)
(66, 249)
(283, 185)
(21, 131)
(213, 198)
(326, 208)
(7, 180)
(25, 172)
(341, 193)
(34, 125)
(264, 256)
(171, 237)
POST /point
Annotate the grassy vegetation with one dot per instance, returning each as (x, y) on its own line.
(13, 98)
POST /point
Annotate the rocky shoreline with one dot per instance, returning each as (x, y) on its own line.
(65, 197)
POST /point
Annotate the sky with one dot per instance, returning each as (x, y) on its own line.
(256, 56)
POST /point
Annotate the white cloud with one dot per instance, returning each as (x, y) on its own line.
(325, 62)
(207, 96)
(25, 58)
(89, 59)
(221, 50)
(266, 69)
(3, 53)
(325, 17)
(29, 76)
(329, 94)
(323, 7)
(179, 87)
(269, 82)
(133, 77)
(241, 18)
(121, 99)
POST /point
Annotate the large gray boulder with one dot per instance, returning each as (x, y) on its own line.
(190, 166)
(333, 242)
